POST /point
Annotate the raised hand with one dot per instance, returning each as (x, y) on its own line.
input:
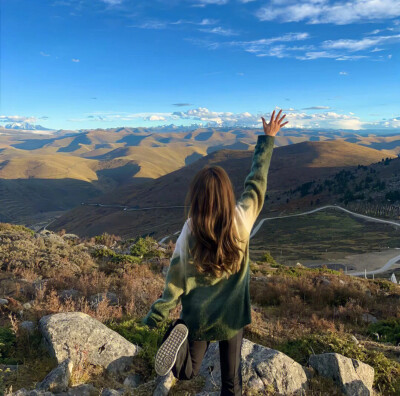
(274, 125)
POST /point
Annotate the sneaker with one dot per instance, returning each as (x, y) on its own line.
(168, 351)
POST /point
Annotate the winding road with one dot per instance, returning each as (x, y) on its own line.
(385, 268)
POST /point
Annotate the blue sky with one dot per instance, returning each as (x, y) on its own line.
(73, 64)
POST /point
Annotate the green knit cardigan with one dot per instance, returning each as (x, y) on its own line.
(216, 308)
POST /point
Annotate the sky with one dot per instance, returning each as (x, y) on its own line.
(79, 64)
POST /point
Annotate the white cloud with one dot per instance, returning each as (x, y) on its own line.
(207, 117)
(390, 123)
(343, 73)
(155, 117)
(339, 50)
(17, 118)
(75, 60)
(358, 45)
(158, 24)
(203, 22)
(246, 1)
(221, 31)
(316, 108)
(325, 11)
(202, 3)
(44, 54)
(112, 2)
(262, 47)
(151, 25)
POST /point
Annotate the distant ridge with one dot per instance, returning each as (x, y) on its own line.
(290, 167)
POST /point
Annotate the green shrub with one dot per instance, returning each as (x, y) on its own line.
(147, 338)
(145, 248)
(267, 257)
(388, 330)
(7, 345)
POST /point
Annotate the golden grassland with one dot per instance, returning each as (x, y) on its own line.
(295, 309)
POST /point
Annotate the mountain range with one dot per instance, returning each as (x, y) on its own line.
(54, 171)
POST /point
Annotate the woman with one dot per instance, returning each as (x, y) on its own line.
(209, 270)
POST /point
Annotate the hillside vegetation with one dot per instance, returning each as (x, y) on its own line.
(296, 310)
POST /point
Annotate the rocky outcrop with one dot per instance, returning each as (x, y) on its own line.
(58, 379)
(355, 378)
(76, 335)
(263, 369)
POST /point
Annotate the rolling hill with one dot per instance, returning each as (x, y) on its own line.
(94, 162)
(291, 166)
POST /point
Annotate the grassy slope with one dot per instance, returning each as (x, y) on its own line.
(295, 310)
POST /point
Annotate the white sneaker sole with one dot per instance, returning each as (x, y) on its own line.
(168, 351)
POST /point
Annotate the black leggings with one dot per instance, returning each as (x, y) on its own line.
(191, 354)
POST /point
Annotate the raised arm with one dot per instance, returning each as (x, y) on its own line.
(255, 186)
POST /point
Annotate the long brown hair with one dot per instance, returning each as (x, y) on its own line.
(212, 210)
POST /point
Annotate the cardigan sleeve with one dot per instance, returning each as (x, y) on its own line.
(255, 186)
(174, 283)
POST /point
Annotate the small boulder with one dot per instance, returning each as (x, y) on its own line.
(99, 297)
(111, 392)
(262, 368)
(133, 381)
(355, 378)
(69, 334)
(354, 339)
(58, 379)
(368, 318)
(3, 301)
(80, 390)
(28, 326)
(68, 293)
(35, 392)
(27, 306)
(164, 384)
(70, 237)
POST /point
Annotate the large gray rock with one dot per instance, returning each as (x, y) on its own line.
(354, 377)
(58, 379)
(73, 334)
(263, 369)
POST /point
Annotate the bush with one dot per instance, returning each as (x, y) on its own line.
(388, 330)
(145, 248)
(7, 345)
(147, 338)
(267, 257)
(106, 239)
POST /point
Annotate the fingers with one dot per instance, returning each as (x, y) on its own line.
(280, 120)
(277, 116)
(264, 122)
(284, 123)
(272, 116)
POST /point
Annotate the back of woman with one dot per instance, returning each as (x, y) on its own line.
(209, 270)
